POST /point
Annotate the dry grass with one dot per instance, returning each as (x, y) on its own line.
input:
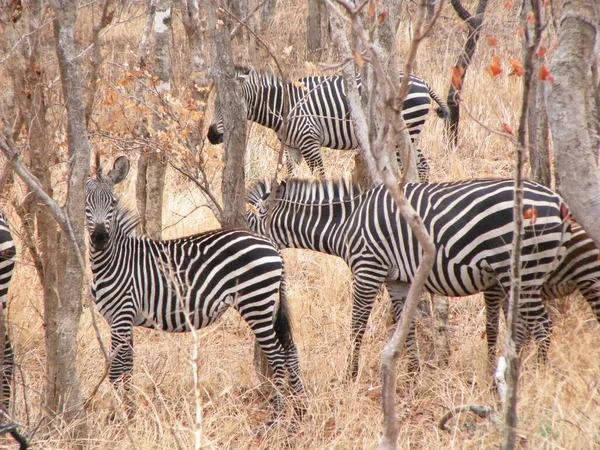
(559, 405)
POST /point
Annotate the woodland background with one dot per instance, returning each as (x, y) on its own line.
(133, 112)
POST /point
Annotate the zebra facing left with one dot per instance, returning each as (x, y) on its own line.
(470, 223)
(7, 265)
(318, 115)
(179, 284)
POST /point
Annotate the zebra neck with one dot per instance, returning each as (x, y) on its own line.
(265, 105)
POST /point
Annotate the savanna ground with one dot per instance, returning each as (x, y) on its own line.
(559, 406)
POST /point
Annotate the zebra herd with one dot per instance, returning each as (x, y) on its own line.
(188, 283)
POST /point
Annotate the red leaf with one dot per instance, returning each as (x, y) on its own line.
(492, 41)
(545, 75)
(530, 17)
(494, 68)
(517, 67)
(521, 31)
(508, 3)
(458, 74)
(531, 213)
(541, 51)
(507, 129)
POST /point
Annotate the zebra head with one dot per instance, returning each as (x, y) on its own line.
(257, 198)
(247, 78)
(100, 201)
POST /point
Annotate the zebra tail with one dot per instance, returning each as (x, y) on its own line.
(443, 111)
(282, 323)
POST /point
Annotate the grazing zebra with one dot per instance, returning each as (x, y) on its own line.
(470, 223)
(579, 269)
(179, 284)
(319, 115)
(7, 265)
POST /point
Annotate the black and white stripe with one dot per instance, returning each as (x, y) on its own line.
(470, 222)
(7, 265)
(579, 269)
(179, 284)
(319, 115)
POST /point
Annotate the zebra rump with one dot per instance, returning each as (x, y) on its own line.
(470, 223)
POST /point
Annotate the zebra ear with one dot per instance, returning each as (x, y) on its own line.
(120, 170)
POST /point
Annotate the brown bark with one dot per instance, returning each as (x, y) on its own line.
(157, 162)
(459, 71)
(567, 100)
(63, 394)
(234, 120)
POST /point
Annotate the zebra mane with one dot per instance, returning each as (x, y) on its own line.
(267, 76)
(298, 190)
(125, 221)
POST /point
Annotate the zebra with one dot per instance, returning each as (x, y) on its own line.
(579, 269)
(470, 223)
(7, 265)
(179, 284)
(319, 115)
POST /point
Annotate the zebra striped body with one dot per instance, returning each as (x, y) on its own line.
(470, 223)
(7, 265)
(179, 284)
(319, 115)
(579, 269)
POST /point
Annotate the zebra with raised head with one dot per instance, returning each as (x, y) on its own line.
(7, 265)
(470, 223)
(579, 269)
(179, 284)
(319, 115)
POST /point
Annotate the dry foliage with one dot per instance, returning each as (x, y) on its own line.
(559, 406)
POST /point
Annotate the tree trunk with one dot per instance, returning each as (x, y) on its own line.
(157, 162)
(196, 32)
(314, 44)
(567, 101)
(230, 102)
(63, 391)
(459, 71)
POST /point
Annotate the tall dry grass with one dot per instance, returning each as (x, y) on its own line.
(559, 406)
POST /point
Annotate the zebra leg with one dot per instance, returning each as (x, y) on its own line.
(8, 368)
(538, 324)
(293, 159)
(398, 292)
(312, 156)
(121, 364)
(268, 336)
(365, 289)
(494, 299)
(423, 167)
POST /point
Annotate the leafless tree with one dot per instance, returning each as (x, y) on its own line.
(379, 147)
(229, 101)
(459, 71)
(153, 165)
(568, 106)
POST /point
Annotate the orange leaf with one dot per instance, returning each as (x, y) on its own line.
(545, 75)
(507, 128)
(492, 41)
(521, 31)
(508, 3)
(531, 213)
(358, 58)
(530, 17)
(517, 67)
(541, 51)
(371, 9)
(494, 68)
(458, 74)
(381, 18)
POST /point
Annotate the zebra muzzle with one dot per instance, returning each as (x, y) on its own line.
(99, 237)
(213, 135)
